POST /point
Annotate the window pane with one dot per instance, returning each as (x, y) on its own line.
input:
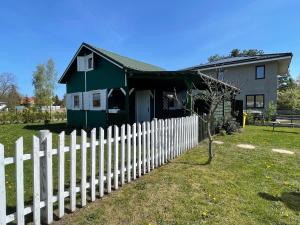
(260, 72)
(250, 101)
(259, 101)
(96, 100)
(76, 101)
(90, 63)
(221, 76)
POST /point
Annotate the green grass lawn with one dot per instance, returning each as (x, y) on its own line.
(239, 186)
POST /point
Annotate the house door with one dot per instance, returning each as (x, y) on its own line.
(142, 106)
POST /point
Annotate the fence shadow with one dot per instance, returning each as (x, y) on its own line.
(53, 128)
(290, 199)
(207, 162)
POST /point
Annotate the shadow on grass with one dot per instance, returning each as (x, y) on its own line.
(52, 127)
(282, 131)
(208, 161)
(290, 199)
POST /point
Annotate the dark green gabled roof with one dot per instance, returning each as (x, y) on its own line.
(125, 61)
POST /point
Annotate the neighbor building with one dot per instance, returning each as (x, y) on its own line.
(256, 76)
(104, 88)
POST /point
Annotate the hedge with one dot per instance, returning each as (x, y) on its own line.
(29, 116)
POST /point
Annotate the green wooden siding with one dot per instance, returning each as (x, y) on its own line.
(105, 75)
(223, 111)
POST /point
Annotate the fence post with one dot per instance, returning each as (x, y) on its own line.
(83, 168)
(134, 151)
(116, 157)
(46, 176)
(128, 137)
(122, 154)
(156, 142)
(108, 172)
(20, 181)
(61, 174)
(101, 162)
(152, 144)
(93, 165)
(73, 171)
(139, 149)
(36, 180)
(2, 187)
(144, 146)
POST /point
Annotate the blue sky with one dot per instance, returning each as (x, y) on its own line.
(171, 34)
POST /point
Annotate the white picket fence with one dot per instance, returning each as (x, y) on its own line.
(137, 150)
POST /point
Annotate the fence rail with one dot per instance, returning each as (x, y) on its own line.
(126, 152)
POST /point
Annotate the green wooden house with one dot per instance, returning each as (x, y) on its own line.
(104, 88)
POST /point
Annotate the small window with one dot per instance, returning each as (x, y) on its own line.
(221, 75)
(90, 63)
(250, 101)
(259, 101)
(169, 100)
(76, 101)
(255, 101)
(96, 100)
(260, 72)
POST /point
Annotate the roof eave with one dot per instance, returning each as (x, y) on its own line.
(240, 62)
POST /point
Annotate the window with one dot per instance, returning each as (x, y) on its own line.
(76, 102)
(96, 100)
(90, 63)
(255, 101)
(169, 100)
(260, 72)
(221, 75)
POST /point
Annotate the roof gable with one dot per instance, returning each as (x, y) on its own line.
(119, 60)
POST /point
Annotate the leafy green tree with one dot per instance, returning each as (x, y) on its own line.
(13, 97)
(289, 99)
(235, 53)
(44, 80)
(215, 57)
(286, 82)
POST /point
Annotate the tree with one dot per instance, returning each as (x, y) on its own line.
(213, 96)
(44, 80)
(289, 99)
(215, 57)
(286, 81)
(7, 80)
(235, 53)
(13, 97)
(251, 52)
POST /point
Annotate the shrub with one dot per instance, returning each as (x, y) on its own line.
(271, 111)
(30, 115)
(229, 126)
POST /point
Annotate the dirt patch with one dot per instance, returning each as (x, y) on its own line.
(218, 142)
(283, 151)
(246, 146)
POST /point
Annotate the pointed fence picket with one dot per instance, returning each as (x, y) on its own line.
(130, 153)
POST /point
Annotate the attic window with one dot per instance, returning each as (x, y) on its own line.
(90, 65)
(260, 72)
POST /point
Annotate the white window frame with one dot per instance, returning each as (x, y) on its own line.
(90, 56)
(79, 94)
(83, 63)
(103, 99)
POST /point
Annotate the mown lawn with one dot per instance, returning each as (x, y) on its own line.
(238, 187)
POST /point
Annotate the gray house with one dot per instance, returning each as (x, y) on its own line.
(256, 76)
